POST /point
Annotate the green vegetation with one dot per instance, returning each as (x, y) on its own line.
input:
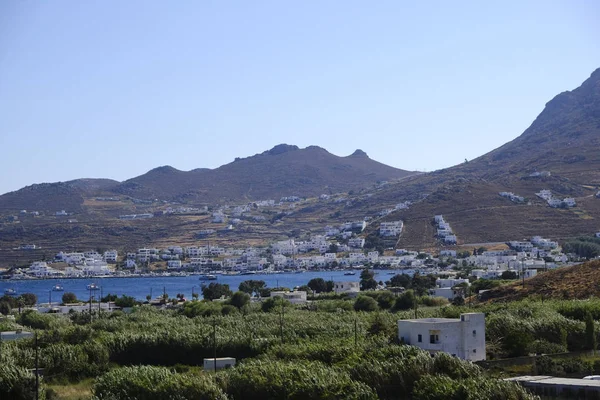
(584, 246)
(322, 350)
(69, 297)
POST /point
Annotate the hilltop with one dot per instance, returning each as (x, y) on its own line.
(560, 152)
(576, 282)
(284, 170)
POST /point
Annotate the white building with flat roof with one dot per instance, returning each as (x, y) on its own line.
(351, 288)
(463, 338)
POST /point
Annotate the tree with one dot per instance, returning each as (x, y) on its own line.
(385, 300)
(590, 332)
(509, 275)
(252, 287)
(330, 285)
(69, 297)
(333, 248)
(29, 299)
(216, 291)
(125, 301)
(458, 301)
(401, 280)
(422, 283)
(274, 304)
(4, 308)
(367, 280)
(405, 301)
(318, 285)
(239, 299)
(365, 303)
(109, 297)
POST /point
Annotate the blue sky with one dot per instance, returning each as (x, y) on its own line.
(112, 89)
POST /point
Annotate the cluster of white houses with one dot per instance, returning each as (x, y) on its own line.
(444, 231)
(556, 202)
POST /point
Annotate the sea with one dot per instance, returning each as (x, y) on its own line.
(140, 287)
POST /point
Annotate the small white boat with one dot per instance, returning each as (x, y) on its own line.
(58, 288)
(248, 273)
(10, 292)
(92, 286)
(350, 273)
(208, 277)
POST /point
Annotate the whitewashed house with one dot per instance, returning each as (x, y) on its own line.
(295, 297)
(352, 288)
(463, 338)
(356, 243)
(387, 229)
(110, 256)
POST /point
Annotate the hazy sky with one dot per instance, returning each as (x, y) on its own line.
(114, 88)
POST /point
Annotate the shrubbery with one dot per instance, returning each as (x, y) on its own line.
(150, 383)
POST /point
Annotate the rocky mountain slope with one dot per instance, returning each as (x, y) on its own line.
(284, 170)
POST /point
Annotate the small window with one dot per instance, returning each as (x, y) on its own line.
(474, 332)
(474, 350)
(419, 338)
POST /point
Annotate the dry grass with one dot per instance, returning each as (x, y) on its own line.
(74, 391)
(576, 282)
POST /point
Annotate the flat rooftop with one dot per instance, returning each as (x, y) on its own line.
(551, 380)
(431, 320)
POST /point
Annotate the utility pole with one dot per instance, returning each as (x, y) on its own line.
(355, 331)
(37, 374)
(90, 304)
(99, 302)
(50, 298)
(523, 273)
(215, 344)
(416, 317)
(281, 322)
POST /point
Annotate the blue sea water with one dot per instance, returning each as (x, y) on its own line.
(140, 287)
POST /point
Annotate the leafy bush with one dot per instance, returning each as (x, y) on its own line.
(36, 320)
(274, 304)
(17, 383)
(365, 303)
(405, 301)
(239, 299)
(443, 387)
(266, 380)
(149, 383)
(429, 301)
(4, 307)
(69, 297)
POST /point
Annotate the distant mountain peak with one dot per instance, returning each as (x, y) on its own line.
(165, 169)
(282, 148)
(359, 153)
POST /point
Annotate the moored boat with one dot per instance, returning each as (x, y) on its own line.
(208, 277)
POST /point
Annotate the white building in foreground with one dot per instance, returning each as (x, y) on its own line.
(352, 288)
(463, 338)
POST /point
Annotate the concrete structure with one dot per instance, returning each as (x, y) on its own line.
(295, 297)
(463, 338)
(390, 228)
(223, 362)
(564, 388)
(352, 288)
(14, 335)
